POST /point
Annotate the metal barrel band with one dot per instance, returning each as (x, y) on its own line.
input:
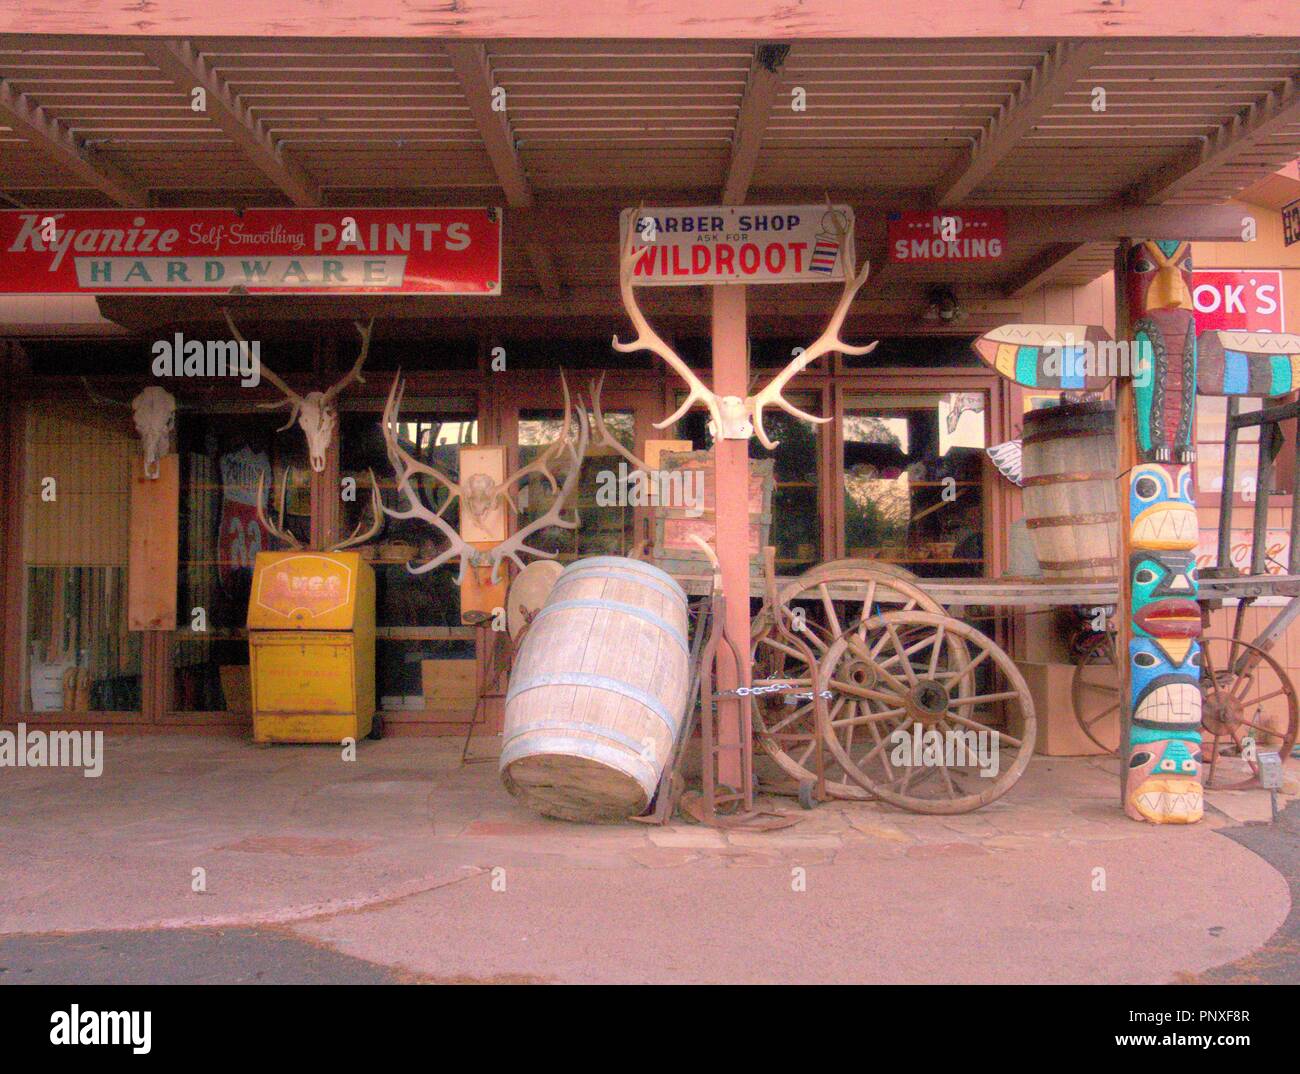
(651, 583)
(622, 609)
(596, 682)
(630, 764)
(1098, 518)
(1080, 432)
(562, 726)
(1053, 479)
(635, 565)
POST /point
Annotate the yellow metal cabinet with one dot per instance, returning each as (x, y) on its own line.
(311, 640)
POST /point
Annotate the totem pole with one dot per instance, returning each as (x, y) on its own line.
(1159, 620)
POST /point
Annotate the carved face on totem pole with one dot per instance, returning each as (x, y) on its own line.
(1162, 324)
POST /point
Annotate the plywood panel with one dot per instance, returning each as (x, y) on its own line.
(155, 546)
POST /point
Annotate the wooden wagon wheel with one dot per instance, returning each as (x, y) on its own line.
(907, 681)
(1246, 695)
(1094, 690)
(786, 731)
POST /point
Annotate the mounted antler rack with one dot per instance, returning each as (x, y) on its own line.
(316, 412)
(406, 467)
(734, 418)
(280, 532)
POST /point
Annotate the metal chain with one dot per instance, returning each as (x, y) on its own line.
(772, 688)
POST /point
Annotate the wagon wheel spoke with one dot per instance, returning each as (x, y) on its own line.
(975, 725)
(982, 699)
(802, 710)
(869, 718)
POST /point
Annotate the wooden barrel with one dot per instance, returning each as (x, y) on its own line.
(597, 692)
(1069, 489)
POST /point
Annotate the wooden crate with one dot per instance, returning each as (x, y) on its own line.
(674, 524)
(1059, 733)
(449, 685)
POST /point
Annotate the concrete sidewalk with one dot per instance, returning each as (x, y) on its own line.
(426, 870)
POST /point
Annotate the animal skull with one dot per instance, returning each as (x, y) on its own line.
(154, 411)
(317, 417)
(480, 495)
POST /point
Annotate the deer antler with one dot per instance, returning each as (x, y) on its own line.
(647, 339)
(516, 545)
(545, 459)
(291, 397)
(376, 515)
(604, 436)
(828, 341)
(103, 398)
(276, 529)
(405, 466)
(355, 372)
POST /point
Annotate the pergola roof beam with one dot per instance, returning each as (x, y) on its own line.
(1047, 85)
(31, 121)
(1241, 134)
(761, 88)
(474, 70)
(182, 64)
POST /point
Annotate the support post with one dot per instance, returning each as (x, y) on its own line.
(731, 493)
(1157, 620)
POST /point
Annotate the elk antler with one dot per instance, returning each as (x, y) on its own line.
(516, 545)
(605, 436)
(376, 515)
(103, 398)
(355, 372)
(291, 397)
(647, 339)
(545, 459)
(829, 340)
(405, 466)
(276, 529)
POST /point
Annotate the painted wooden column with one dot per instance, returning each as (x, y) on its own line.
(731, 489)
(1158, 621)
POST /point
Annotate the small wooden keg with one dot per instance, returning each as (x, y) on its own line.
(1069, 489)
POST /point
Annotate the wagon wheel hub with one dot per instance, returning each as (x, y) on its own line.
(927, 701)
(1219, 714)
(862, 673)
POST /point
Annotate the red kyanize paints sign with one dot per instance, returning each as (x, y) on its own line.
(257, 251)
(948, 235)
(740, 244)
(1245, 300)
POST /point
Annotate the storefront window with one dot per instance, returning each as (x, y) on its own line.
(222, 458)
(796, 516)
(913, 493)
(79, 654)
(605, 528)
(418, 615)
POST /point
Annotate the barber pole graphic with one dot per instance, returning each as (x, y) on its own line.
(826, 250)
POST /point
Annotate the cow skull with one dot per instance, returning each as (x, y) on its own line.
(154, 411)
(315, 412)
